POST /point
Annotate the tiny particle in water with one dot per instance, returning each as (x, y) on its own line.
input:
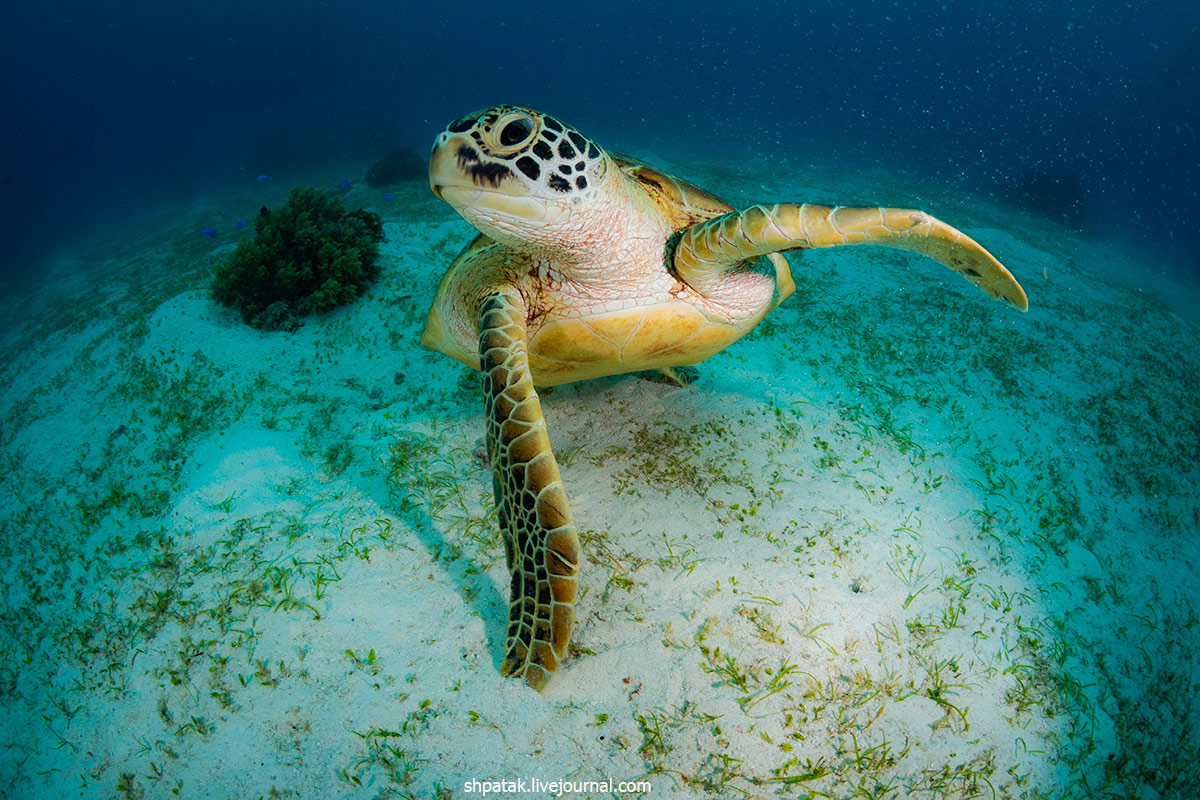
(389, 197)
(264, 177)
(209, 231)
(241, 223)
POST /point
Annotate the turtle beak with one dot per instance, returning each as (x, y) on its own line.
(453, 166)
(478, 187)
(460, 169)
(442, 166)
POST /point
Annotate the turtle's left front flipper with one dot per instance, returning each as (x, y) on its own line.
(708, 249)
(540, 543)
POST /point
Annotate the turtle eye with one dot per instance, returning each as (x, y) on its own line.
(516, 131)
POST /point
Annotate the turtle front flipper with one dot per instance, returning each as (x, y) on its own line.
(710, 248)
(540, 542)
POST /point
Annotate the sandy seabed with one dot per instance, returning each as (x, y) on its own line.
(901, 541)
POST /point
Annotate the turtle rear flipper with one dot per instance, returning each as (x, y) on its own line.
(709, 249)
(540, 542)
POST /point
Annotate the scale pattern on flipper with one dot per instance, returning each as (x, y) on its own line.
(540, 542)
(707, 250)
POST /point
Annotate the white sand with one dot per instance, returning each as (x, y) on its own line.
(900, 542)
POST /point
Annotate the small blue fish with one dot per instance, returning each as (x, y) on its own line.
(264, 177)
(389, 198)
(241, 223)
(346, 184)
(209, 231)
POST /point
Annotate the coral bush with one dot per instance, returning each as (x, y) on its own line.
(401, 164)
(309, 255)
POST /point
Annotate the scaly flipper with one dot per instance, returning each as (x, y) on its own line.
(540, 542)
(709, 248)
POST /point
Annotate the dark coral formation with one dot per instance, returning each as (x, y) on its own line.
(400, 164)
(308, 255)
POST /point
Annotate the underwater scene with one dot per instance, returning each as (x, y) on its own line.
(580, 401)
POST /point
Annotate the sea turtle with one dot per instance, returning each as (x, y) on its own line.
(590, 263)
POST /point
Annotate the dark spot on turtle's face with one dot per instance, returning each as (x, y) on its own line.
(530, 147)
(463, 123)
(466, 155)
(529, 167)
(481, 172)
(570, 162)
(972, 273)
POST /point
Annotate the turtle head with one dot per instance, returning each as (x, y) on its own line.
(517, 175)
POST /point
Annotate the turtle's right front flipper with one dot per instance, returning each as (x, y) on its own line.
(540, 542)
(710, 248)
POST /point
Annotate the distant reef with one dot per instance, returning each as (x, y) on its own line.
(400, 164)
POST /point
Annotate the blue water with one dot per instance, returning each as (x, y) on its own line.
(1087, 112)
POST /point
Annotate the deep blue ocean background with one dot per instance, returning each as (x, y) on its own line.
(1087, 112)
